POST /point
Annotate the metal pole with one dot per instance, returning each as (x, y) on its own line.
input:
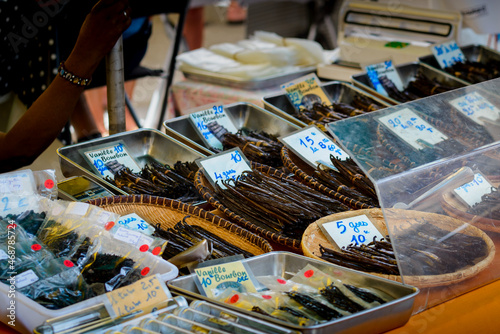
(116, 88)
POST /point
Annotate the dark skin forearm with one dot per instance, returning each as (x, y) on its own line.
(43, 121)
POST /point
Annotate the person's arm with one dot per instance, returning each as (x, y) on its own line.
(43, 121)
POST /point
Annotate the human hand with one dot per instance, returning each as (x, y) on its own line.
(100, 31)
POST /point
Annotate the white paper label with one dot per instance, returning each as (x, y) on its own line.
(223, 166)
(134, 222)
(217, 114)
(128, 236)
(354, 230)
(386, 68)
(313, 146)
(448, 54)
(111, 155)
(103, 217)
(475, 106)
(26, 278)
(21, 182)
(77, 208)
(412, 129)
(3, 255)
(305, 92)
(472, 192)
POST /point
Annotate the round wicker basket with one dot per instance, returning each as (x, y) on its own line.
(167, 212)
(207, 191)
(304, 172)
(314, 237)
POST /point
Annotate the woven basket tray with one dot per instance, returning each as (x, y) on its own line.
(207, 191)
(313, 237)
(167, 212)
(304, 172)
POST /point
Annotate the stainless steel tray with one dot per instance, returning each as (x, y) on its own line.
(235, 82)
(243, 114)
(336, 90)
(478, 53)
(375, 320)
(407, 72)
(143, 145)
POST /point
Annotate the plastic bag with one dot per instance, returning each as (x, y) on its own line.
(58, 291)
(46, 183)
(109, 265)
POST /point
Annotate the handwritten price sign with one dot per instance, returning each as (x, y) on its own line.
(354, 230)
(17, 192)
(214, 279)
(146, 295)
(223, 166)
(412, 128)
(472, 192)
(448, 54)
(385, 68)
(476, 107)
(217, 114)
(305, 91)
(313, 146)
(116, 155)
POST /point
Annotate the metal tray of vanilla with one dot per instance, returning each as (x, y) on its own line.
(243, 114)
(408, 72)
(337, 91)
(96, 157)
(288, 269)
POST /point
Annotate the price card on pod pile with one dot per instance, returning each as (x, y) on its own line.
(448, 54)
(217, 278)
(18, 192)
(471, 192)
(386, 69)
(109, 159)
(144, 296)
(303, 92)
(223, 166)
(410, 127)
(355, 230)
(202, 119)
(313, 146)
(476, 107)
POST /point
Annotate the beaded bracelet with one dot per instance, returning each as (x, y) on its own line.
(63, 72)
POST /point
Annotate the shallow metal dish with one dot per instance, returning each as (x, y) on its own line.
(243, 114)
(144, 145)
(336, 90)
(375, 320)
(477, 53)
(235, 82)
(407, 72)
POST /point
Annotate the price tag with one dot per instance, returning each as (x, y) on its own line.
(313, 146)
(77, 208)
(475, 106)
(412, 128)
(223, 166)
(217, 114)
(132, 237)
(353, 230)
(109, 159)
(448, 54)
(21, 182)
(472, 192)
(25, 278)
(305, 91)
(385, 68)
(146, 295)
(134, 222)
(215, 279)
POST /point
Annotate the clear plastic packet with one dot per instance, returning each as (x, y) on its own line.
(55, 292)
(351, 294)
(46, 183)
(18, 192)
(143, 242)
(109, 265)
